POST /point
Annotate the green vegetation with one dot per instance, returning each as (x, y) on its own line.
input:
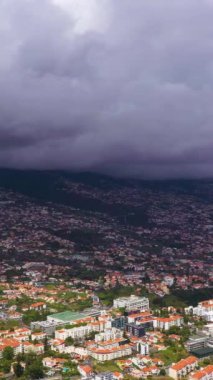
(5, 365)
(107, 296)
(34, 367)
(70, 369)
(35, 370)
(80, 305)
(166, 301)
(91, 335)
(206, 361)
(161, 377)
(86, 274)
(50, 286)
(21, 302)
(7, 357)
(68, 327)
(110, 366)
(193, 297)
(9, 325)
(33, 316)
(8, 353)
(178, 298)
(183, 332)
(1, 290)
(18, 369)
(172, 354)
(69, 341)
(68, 295)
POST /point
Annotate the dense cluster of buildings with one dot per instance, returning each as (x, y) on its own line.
(136, 346)
(84, 246)
(57, 259)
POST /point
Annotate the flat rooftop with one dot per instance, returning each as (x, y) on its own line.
(68, 316)
(202, 352)
(197, 337)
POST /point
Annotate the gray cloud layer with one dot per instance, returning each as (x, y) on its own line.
(120, 86)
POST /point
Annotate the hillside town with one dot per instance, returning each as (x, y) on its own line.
(41, 240)
(119, 289)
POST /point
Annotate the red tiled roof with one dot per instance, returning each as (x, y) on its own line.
(184, 362)
(206, 371)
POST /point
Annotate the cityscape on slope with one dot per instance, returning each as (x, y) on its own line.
(104, 278)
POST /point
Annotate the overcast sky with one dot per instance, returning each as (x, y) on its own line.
(115, 86)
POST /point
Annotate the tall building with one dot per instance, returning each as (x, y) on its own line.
(143, 348)
(135, 330)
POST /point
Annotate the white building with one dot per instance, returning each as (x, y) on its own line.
(183, 367)
(75, 350)
(204, 310)
(104, 376)
(143, 348)
(85, 370)
(109, 334)
(204, 374)
(132, 303)
(38, 336)
(104, 354)
(77, 332)
(15, 344)
(169, 280)
(166, 323)
(208, 329)
(28, 347)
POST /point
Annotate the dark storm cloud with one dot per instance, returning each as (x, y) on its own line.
(124, 87)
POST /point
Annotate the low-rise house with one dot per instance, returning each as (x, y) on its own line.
(183, 367)
(57, 345)
(104, 376)
(117, 376)
(10, 342)
(3, 304)
(38, 306)
(14, 315)
(150, 371)
(50, 362)
(38, 336)
(85, 370)
(28, 347)
(204, 374)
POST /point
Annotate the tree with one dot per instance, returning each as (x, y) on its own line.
(18, 369)
(30, 358)
(8, 353)
(206, 361)
(35, 370)
(69, 341)
(5, 365)
(91, 335)
(46, 347)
